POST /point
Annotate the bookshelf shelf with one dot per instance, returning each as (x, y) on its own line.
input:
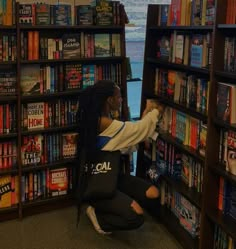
(9, 213)
(223, 124)
(219, 169)
(77, 60)
(226, 75)
(224, 27)
(69, 162)
(226, 222)
(7, 63)
(188, 150)
(169, 65)
(49, 130)
(8, 171)
(182, 28)
(7, 136)
(10, 27)
(7, 98)
(191, 194)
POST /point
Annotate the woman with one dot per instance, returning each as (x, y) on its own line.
(123, 211)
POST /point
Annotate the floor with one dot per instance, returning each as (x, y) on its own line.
(57, 230)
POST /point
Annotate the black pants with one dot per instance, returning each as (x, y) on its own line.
(116, 213)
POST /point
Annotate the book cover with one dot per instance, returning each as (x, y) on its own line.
(102, 45)
(42, 14)
(30, 79)
(231, 152)
(175, 13)
(69, 145)
(73, 76)
(58, 182)
(26, 14)
(164, 14)
(62, 14)
(104, 12)
(71, 46)
(35, 115)
(196, 52)
(196, 12)
(88, 75)
(163, 48)
(179, 49)
(5, 191)
(84, 15)
(31, 150)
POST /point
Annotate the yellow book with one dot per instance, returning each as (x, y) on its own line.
(5, 191)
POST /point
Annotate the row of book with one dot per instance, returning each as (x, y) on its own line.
(226, 102)
(57, 113)
(37, 79)
(48, 148)
(188, 90)
(187, 12)
(7, 118)
(193, 50)
(227, 198)
(227, 152)
(45, 184)
(8, 155)
(179, 166)
(230, 54)
(103, 12)
(186, 129)
(7, 47)
(187, 214)
(222, 240)
(69, 46)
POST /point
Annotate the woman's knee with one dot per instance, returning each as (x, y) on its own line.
(152, 192)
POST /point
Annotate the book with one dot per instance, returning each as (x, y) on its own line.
(69, 145)
(35, 115)
(71, 46)
(102, 45)
(30, 79)
(31, 150)
(73, 76)
(58, 182)
(163, 48)
(231, 152)
(84, 15)
(88, 75)
(226, 102)
(5, 191)
(104, 12)
(26, 14)
(196, 51)
(42, 11)
(62, 14)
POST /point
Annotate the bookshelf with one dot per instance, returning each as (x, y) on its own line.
(215, 226)
(38, 142)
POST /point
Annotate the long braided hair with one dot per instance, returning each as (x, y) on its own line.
(91, 104)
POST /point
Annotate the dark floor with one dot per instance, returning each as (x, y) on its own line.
(57, 230)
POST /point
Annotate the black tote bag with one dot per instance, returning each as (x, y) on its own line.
(102, 176)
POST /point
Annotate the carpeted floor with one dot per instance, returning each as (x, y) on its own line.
(57, 230)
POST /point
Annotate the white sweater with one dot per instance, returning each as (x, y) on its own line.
(129, 134)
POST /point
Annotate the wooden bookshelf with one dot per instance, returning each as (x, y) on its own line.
(206, 200)
(26, 206)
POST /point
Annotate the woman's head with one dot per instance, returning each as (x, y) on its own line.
(95, 101)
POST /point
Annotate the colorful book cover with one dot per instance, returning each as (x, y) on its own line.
(163, 48)
(88, 75)
(71, 46)
(69, 145)
(35, 115)
(102, 45)
(58, 182)
(62, 14)
(30, 79)
(104, 12)
(31, 150)
(196, 53)
(42, 11)
(164, 14)
(84, 15)
(5, 191)
(175, 13)
(26, 14)
(73, 76)
(231, 152)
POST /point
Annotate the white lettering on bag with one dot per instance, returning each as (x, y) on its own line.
(103, 168)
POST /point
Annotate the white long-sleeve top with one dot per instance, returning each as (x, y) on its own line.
(123, 135)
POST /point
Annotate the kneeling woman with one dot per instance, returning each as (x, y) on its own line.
(123, 211)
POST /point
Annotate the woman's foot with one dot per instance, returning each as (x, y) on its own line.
(90, 211)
